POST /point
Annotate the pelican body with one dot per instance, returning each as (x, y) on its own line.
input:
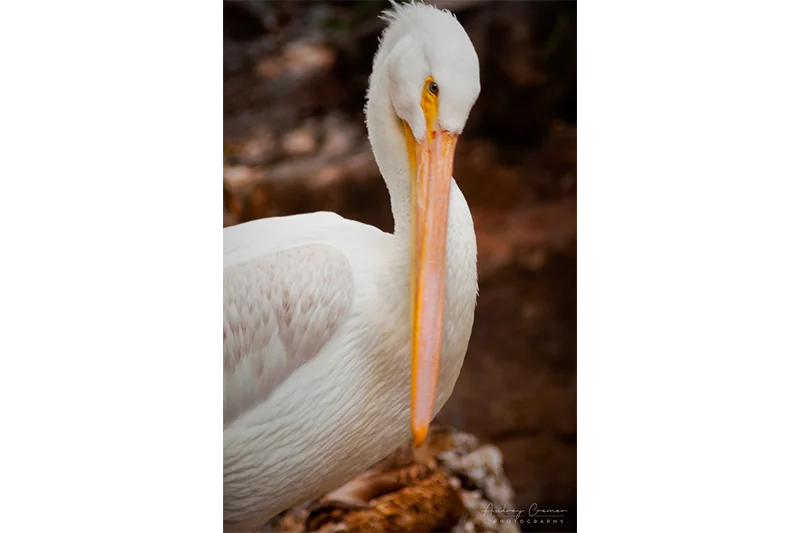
(342, 342)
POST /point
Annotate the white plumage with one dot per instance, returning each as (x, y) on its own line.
(316, 307)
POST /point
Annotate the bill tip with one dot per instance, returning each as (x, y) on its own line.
(420, 433)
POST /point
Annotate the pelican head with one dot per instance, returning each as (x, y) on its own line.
(429, 70)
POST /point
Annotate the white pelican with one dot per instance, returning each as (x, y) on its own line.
(329, 324)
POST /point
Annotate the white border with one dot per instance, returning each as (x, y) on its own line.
(111, 237)
(688, 266)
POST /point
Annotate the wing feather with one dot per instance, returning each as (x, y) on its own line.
(280, 309)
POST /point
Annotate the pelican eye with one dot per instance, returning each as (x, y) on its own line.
(433, 88)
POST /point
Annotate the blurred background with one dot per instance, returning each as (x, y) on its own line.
(295, 77)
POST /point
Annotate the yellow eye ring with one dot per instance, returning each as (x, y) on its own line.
(433, 88)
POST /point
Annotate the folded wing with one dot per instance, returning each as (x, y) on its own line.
(280, 309)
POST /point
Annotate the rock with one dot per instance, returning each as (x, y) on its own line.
(451, 484)
(238, 176)
(259, 149)
(299, 142)
(299, 60)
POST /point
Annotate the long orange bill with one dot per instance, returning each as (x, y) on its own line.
(431, 200)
